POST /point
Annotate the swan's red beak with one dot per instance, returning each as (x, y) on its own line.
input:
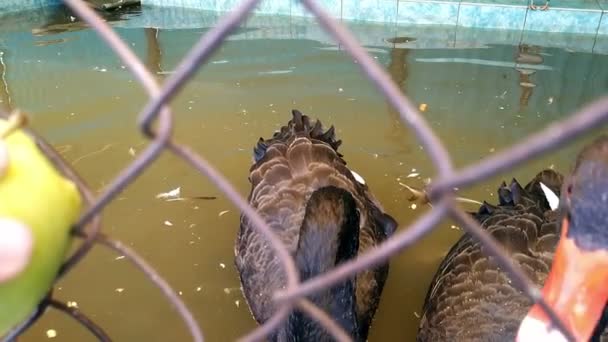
(576, 288)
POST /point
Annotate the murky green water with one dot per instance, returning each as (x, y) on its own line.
(85, 103)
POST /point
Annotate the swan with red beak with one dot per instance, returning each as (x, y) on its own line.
(577, 286)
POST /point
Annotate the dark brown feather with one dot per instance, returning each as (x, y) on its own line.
(470, 297)
(297, 161)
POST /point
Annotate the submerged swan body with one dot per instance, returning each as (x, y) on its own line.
(564, 249)
(470, 298)
(324, 214)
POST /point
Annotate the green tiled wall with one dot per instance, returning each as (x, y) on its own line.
(21, 5)
(571, 16)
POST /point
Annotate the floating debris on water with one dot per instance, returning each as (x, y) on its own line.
(275, 72)
(223, 212)
(168, 223)
(132, 151)
(51, 333)
(119, 257)
(237, 303)
(72, 304)
(413, 206)
(175, 193)
(412, 175)
(199, 289)
(50, 42)
(422, 107)
(550, 100)
(103, 149)
(119, 290)
(222, 265)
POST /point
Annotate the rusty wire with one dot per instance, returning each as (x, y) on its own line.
(157, 112)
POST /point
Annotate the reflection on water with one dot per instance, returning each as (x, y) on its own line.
(85, 102)
(527, 55)
(5, 95)
(153, 52)
(398, 70)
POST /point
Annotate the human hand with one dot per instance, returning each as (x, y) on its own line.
(15, 237)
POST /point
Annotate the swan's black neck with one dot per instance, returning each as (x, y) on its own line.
(329, 235)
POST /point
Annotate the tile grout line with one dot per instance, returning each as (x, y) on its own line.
(395, 21)
(597, 33)
(523, 28)
(457, 22)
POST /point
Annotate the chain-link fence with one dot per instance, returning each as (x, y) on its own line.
(156, 122)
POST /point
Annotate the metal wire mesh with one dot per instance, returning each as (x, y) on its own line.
(157, 113)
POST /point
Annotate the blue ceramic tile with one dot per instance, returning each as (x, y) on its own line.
(200, 4)
(568, 41)
(603, 30)
(333, 7)
(521, 3)
(427, 12)
(170, 18)
(282, 7)
(222, 5)
(574, 4)
(561, 20)
(492, 16)
(454, 1)
(22, 5)
(370, 10)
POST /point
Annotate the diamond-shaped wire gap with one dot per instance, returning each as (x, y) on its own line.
(407, 111)
(550, 138)
(198, 55)
(410, 116)
(210, 41)
(152, 151)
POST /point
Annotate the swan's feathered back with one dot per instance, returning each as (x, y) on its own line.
(470, 298)
(298, 160)
(298, 126)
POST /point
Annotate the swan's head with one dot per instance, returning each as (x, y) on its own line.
(577, 285)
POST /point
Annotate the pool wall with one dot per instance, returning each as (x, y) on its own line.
(24, 5)
(589, 17)
(572, 16)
